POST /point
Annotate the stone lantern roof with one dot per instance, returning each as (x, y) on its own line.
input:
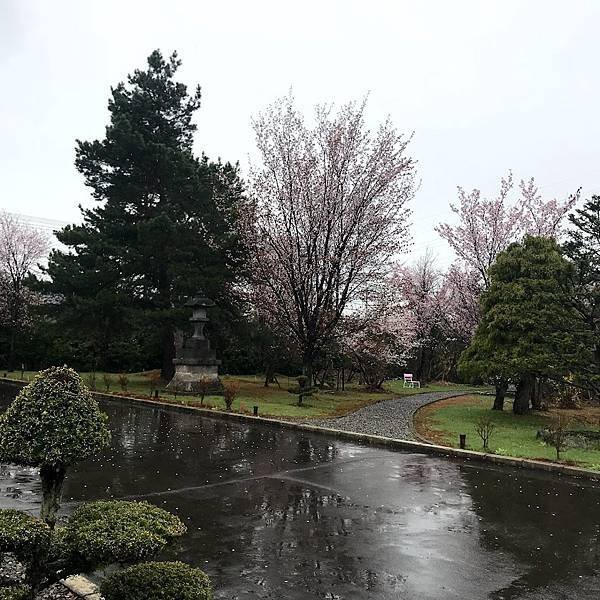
(200, 301)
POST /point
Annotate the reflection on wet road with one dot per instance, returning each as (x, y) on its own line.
(279, 514)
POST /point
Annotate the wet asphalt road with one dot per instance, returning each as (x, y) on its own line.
(279, 514)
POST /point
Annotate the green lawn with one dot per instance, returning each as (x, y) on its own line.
(513, 435)
(397, 387)
(272, 401)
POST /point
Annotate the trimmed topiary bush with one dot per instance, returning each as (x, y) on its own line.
(158, 581)
(103, 532)
(15, 592)
(58, 549)
(53, 423)
(25, 536)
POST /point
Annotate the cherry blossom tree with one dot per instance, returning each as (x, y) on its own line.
(420, 287)
(21, 248)
(461, 289)
(380, 336)
(485, 228)
(544, 217)
(328, 214)
(388, 341)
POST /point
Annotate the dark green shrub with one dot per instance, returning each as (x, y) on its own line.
(15, 592)
(58, 549)
(53, 420)
(53, 423)
(25, 536)
(158, 581)
(103, 532)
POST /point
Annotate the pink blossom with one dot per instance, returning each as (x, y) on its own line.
(328, 214)
(485, 228)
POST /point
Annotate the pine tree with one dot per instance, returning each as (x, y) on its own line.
(529, 326)
(165, 224)
(583, 248)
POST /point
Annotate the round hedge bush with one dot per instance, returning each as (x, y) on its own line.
(23, 535)
(158, 581)
(53, 421)
(104, 532)
(58, 549)
(15, 592)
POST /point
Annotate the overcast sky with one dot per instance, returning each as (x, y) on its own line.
(485, 86)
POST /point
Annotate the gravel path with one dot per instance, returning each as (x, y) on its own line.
(389, 418)
(56, 592)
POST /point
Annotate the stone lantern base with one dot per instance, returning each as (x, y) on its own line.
(187, 375)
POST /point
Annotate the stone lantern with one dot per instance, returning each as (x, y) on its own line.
(194, 359)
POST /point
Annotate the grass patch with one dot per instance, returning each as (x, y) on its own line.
(278, 402)
(396, 386)
(513, 435)
(273, 401)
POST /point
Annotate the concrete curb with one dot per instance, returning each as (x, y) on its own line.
(380, 441)
(361, 438)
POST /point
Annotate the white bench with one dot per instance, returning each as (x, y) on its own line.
(410, 382)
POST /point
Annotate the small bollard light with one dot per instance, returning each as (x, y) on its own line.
(255, 411)
(463, 440)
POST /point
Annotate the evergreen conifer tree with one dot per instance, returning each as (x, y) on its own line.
(529, 326)
(165, 224)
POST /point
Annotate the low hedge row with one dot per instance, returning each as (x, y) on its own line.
(118, 531)
(158, 581)
(25, 536)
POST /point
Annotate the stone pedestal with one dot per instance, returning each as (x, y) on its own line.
(194, 359)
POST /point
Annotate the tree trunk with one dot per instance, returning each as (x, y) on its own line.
(269, 375)
(168, 353)
(419, 366)
(53, 478)
(523, 395)
(536, 395)
(324, 376)
(307, 367)
(500, 393)
(37, 573)
(11, 349)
